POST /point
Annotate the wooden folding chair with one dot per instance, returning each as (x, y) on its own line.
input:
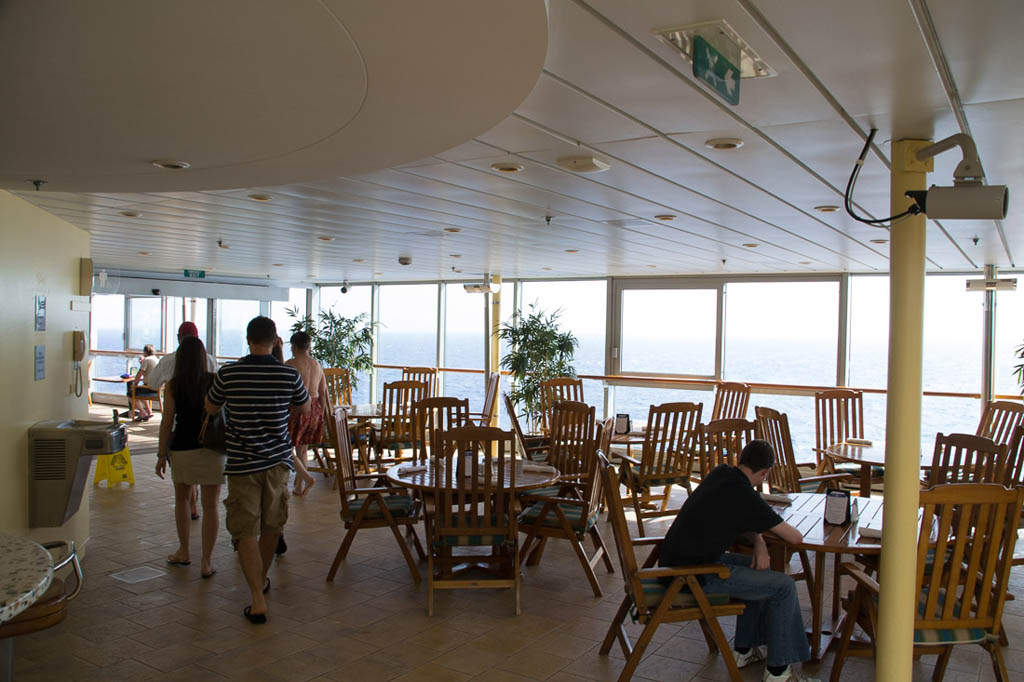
(339, 386)
(786, 476)
(432, 415)
(397, 429)
(666, 459)
(722, 441)
(652, 602)
(427, 375)
(731, 400)
(378, 506)
(535, 448)
(838, 415)
(553, 390)
(999, 420)
(964, 551)
(963, 458)
(486, 416)
(474, 493)
(571, 517)
(571, 438)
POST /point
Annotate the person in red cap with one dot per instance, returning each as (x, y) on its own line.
(164, 369)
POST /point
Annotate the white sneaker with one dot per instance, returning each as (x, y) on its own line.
(755, 655)
(787, 675)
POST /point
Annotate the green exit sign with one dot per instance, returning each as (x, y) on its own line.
(711, 66)
(195, 274)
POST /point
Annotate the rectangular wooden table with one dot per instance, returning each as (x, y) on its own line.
(867, 456)
(806, 513)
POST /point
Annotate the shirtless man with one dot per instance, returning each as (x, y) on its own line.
(307, 429)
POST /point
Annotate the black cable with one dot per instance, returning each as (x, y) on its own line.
(914, 209)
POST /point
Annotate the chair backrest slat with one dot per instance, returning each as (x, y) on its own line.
(432, 415)
(723, 440)
(571, 437)
(490, 398)
(427, 375)
(999, 420)
(963, 458)
(1013, 473)
(474, 482)
(773, 426)
(670, 441)
(344, 466)
(397, 418)
(554, 390)
(731, 400)
(620, 532)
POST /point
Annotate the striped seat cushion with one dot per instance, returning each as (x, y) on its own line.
(476, 540)
(549, 491)
(654, 592)
(926, 637)
(572, 512)
(398, 505)
(673, 479)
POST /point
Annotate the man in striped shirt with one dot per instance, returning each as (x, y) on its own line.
(257, 394)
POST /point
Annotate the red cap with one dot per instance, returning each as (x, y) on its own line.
(187, 329)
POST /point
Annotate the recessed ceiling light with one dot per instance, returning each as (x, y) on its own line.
(453, 229)
(724, 144)
(260, 197)
(507, 167)
(278, 265)
(826, 208)
(130, 214)
(455, 255)
(572, 250)
(652, 266)
(879, 241)
(326, 239)
(358, 260)
(665, 216)
(806, 262)
(751, 245)
(545, 268)
(171, 165)
(143, 253)
(311, 275)
(378, 274)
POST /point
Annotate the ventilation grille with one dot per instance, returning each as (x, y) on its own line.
(48, 459)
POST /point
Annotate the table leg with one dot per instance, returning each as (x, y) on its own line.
(865, 480)
(817, 597)
(7, 659)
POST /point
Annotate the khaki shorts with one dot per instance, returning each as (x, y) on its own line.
(257, 504)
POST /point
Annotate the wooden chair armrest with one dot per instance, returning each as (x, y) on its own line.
(647, 540)
(364, 491)
(826, 477)
(721, 570)
(863, 579)
(627, 458)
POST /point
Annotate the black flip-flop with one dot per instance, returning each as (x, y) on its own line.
(204, 576)
(266, 586)
(254, 618)
(178, 563)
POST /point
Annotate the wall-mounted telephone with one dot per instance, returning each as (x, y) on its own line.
(77, 346)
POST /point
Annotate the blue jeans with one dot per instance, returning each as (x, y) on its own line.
(772, 615)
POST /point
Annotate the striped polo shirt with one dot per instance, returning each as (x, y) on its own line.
(257, 392)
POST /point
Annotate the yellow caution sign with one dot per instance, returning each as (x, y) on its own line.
(114, 468)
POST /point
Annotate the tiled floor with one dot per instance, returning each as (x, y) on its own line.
(369, 624)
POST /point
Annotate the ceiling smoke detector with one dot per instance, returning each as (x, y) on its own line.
(507, 167)
(583, 164)
(171, 165)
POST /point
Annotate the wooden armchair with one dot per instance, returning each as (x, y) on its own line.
(397, 428)
(378, 506)
(838, 415)
(554, 390)
(666, 459)
(963, 458)
(731, 401)
(155, 397)
(571, 438)
(572, 516)
(487, 413)
(655, 603)
(722, 441)
(339, 386)
(999, 420)
(973, 527)
(427, 375)
(786, 476)
(432, 415)
(474, 497)
(536, 448)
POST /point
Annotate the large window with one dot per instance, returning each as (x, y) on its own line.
(952, 336)
(144, 322)
(107, 333)
(581, 306)
(195, 312)
(1009, 336)
(408, 328)
(669, 331)
(869, 333)
(233, 317)
(781, 332)
(284, 321)
(464, 344)
(355, 302)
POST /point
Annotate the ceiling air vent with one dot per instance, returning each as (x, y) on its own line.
(722, 36)
(48, 459)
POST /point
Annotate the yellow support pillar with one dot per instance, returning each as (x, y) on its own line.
(897, 601)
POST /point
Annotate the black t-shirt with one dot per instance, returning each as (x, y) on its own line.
(723, 507)
(189, 411)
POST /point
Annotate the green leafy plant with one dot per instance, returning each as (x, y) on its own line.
(538, 350)
(1018, 370)
(342, 342)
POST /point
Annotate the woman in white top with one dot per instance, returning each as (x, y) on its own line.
(147, 364)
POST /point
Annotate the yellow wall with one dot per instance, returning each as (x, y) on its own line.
(39, 254)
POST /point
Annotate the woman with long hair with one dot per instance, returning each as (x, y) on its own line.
(307, 429)
(191, 463)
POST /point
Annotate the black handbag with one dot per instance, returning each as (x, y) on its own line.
(212, 434)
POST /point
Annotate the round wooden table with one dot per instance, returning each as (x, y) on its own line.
(867, 456)
(425, 480)
(806, 513)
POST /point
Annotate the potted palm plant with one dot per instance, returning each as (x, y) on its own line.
(339, 342)
(538, 350)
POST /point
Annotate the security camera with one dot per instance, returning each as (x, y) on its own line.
(405, 260)
(155, 292)
(970, 202)
(344, 287)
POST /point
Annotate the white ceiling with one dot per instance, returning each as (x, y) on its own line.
(608, 88)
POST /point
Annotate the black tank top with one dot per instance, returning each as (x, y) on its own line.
(189, 411)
